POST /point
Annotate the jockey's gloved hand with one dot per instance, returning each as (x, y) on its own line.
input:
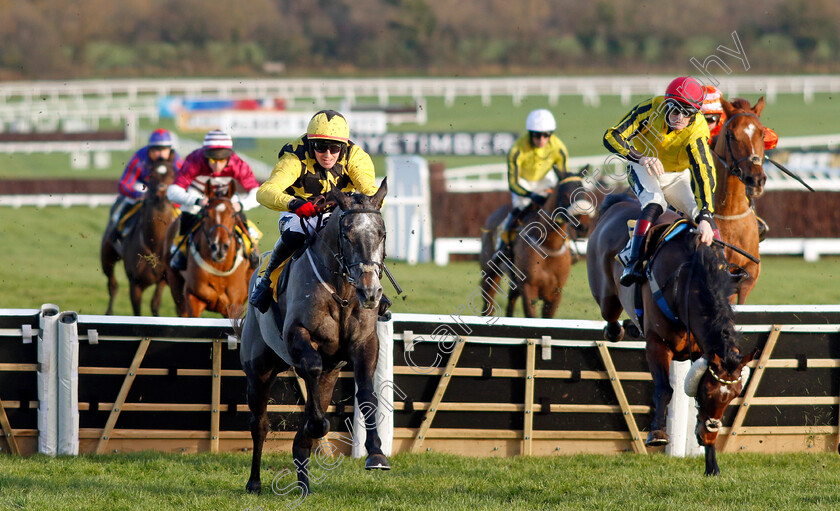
(303, 209)
(537, 199)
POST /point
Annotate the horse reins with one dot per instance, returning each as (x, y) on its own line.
(207, 234)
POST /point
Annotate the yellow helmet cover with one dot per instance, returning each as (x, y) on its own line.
(328, 125)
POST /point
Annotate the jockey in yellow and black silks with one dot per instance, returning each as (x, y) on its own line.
(307, 169)
(535, 163)
(666, 142)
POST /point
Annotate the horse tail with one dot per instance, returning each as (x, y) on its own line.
(612, 199)
(236, 313)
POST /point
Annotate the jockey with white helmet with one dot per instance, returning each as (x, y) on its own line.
(535, 163)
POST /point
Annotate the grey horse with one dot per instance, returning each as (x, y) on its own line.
(325, 318)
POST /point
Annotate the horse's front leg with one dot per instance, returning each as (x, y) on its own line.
(157, 297)
(365, 356)
(135, 292)
(659, 358)
(309, 366)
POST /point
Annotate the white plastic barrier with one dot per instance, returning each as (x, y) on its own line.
(68, 384)
(682, 415)
(48, 380)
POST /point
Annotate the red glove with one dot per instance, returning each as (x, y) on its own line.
(306, 210)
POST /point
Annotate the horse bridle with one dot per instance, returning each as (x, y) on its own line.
(345, 268)
(735, 169)
(209, 232)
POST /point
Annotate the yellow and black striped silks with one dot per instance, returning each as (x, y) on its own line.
(529, 163)
(298, 175)
(644, 132)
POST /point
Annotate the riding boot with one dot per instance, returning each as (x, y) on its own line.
(633, 271)
(505, 228)
(178, 261)
(285, 247)
(763, 228)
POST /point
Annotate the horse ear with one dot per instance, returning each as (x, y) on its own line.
(208, 188)
(749, 357)
(343, 201)
(759, 106)
(727, 107)
(230, 189)
(379, 196)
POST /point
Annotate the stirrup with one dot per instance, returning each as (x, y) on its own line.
(261, 296)
(632, 274)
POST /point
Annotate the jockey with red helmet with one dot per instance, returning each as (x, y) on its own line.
(135, 179)
(215, 162)
(667, 145)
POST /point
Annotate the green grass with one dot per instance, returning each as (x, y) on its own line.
(425, 481)
(580, 127)
(51, 255)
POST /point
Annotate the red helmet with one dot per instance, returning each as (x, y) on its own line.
(686, 90)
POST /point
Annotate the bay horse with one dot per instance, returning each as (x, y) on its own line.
(542, 257)
(216, 278)
(142, 246)
(325, 317)
(739, 156)
(687, 290)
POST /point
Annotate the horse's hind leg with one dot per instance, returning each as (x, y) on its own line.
(261, 368)
(659, 358)
(109, 260)
(364, 364)
(611, 310)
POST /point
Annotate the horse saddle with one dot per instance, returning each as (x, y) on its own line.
(656, 236)
(280, 276)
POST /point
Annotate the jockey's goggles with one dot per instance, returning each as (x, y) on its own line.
(217, 160)
(322, 147)
(540, 134)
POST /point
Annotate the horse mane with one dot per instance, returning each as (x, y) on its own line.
(612, 199)
(741, 104)
(714, 287)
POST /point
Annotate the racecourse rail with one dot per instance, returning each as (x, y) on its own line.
(468, 385)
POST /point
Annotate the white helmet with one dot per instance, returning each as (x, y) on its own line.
(540, 121)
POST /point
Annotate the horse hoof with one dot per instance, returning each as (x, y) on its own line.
(315, 430)
(657, 438)
(612, 334)
(254, 487)
(377, 462)
(631, 329)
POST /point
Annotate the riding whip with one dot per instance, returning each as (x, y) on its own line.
(786, 171)
(736, 249)
(391, 278)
